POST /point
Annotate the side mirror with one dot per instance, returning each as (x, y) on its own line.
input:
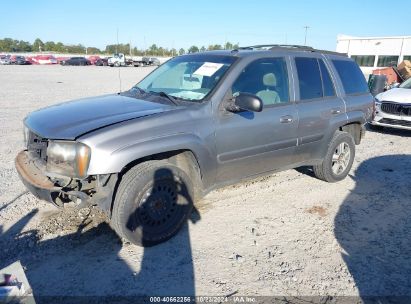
(247, 102)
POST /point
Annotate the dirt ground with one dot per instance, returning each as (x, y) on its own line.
(286, 234)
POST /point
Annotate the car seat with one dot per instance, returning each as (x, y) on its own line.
(269, 96)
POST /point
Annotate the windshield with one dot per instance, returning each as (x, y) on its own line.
(406, 84)
(190, 77)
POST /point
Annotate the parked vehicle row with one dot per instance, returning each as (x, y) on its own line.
(121, 59)
(116, 60)
(15, 59)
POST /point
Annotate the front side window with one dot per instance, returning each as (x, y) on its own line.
(267, 78)
(352, 78)
(190, 77)
(387, 61)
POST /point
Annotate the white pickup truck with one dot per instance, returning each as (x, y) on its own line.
(119, 59)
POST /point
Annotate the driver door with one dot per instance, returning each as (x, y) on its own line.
(251, 143)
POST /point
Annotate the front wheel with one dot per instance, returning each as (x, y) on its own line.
(338, 160)
(153, 201)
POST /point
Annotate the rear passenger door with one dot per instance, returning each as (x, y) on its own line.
(318, 105)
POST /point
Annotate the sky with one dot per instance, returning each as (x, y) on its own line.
(182, 23)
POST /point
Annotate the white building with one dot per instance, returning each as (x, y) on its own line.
(375, 52)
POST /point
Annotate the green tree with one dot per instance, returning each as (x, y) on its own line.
(215, 47)
(173, 52)
(38, 45)
(24, 46)
(6, 45)
(181, 51)
(60, 47)
(49, 46)
(193, 49)
(153, 50)
(93, 50)
(203, 49)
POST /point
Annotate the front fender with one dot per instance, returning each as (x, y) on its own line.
(103, 162)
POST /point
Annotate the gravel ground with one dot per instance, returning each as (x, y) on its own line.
(285, 234)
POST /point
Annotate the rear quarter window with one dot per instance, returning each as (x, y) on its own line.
(352, 78)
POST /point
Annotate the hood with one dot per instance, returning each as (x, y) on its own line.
(396, 95)
(72, 119)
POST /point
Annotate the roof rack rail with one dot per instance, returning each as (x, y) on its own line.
(273, 47)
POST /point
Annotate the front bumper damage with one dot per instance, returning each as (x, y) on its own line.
(96, 190)
(34, 179)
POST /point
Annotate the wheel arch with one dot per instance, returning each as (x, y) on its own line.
(355, 129)
(185, 159)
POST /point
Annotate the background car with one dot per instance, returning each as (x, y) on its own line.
(93, 59)
(19, 60)
(61, 59)
(393, 108)
(101, 62)
(151, 61)
(76, 61)
(5, 59)
(43, 59)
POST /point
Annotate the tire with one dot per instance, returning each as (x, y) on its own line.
(153, 201)
(335, 166)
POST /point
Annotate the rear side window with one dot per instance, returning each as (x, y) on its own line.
(352, 78)
(328, 86)
(309, 78)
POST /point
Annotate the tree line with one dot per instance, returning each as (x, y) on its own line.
(12, 45)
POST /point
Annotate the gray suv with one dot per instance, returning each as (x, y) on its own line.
(197, 122)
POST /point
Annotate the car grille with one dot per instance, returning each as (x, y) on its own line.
(37, 147)
(397, 122)
(396, 108)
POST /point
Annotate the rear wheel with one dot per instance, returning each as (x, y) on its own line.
(338, 160)
(153, 201)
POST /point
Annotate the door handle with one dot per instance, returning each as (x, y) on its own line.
(336, 111)
(286, 119)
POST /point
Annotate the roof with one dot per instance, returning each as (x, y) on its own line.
(251, 50)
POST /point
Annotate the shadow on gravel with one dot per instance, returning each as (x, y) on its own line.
(87, 267)
(373, 226)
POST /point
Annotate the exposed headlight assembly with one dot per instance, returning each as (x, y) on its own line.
(68, 158)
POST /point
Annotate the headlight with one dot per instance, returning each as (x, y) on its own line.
(68, 158)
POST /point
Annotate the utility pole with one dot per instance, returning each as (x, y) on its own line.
(305, 37)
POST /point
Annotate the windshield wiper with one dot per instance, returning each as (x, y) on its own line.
(169, 97)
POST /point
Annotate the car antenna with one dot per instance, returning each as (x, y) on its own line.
(119, 72)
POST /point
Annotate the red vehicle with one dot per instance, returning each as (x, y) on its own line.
(62, 60)
(44, 59)
(93, 59)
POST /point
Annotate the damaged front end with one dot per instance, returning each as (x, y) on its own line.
(33, 166)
